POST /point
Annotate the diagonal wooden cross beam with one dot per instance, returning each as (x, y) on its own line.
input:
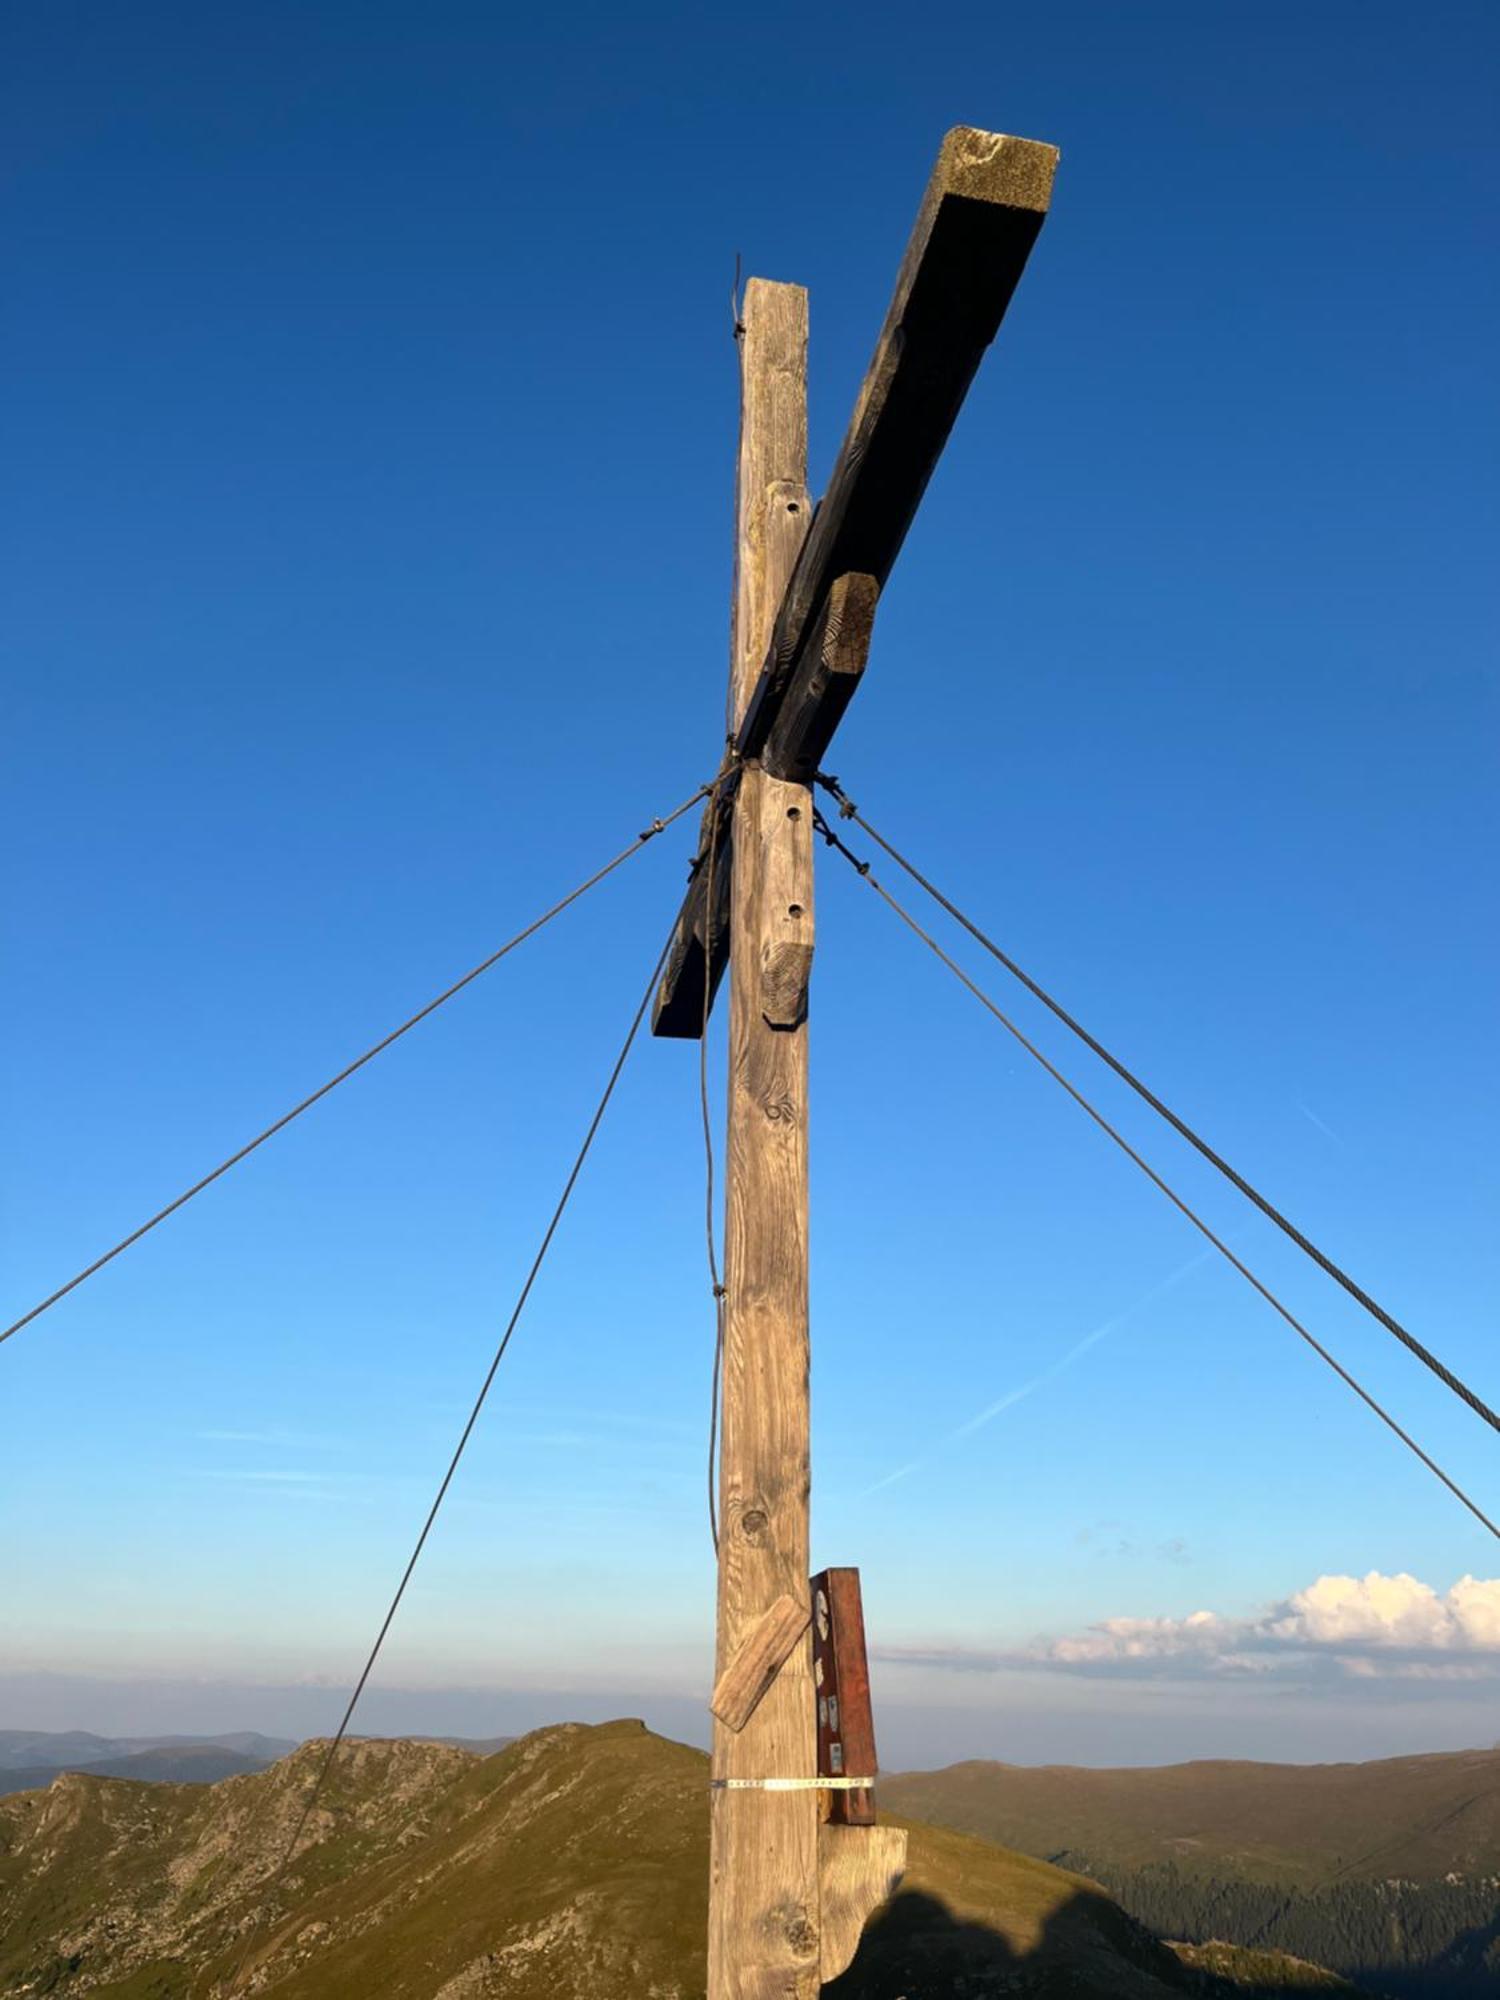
(984, 206)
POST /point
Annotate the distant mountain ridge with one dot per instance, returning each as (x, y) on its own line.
(1418, 1817)
(73, 1747)
(1387, 1871)
(31, 1758)
(197, 1764)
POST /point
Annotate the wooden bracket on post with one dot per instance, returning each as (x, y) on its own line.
(859, 1863)
(757, 1661)
(859, 1868)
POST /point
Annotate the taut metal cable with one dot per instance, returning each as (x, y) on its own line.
(649, 833)
(862, 868)
(848, 810)
(458, 1451)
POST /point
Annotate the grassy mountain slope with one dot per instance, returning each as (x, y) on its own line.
(1417, 1817)
(570, 1866)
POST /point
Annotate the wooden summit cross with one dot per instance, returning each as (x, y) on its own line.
(792, 1878)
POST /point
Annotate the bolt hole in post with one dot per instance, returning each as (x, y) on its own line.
(794, 812)
(794, 909)
(794, 506)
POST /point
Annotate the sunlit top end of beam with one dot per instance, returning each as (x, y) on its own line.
(994, 167)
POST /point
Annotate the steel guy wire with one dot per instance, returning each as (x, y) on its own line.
(862, 868)
(648, 834)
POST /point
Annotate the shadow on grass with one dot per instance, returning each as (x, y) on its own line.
(916, 1948)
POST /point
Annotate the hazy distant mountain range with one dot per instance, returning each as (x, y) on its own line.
(73, 1748)
(33, 1757)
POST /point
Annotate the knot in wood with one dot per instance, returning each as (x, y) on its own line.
(791, 1924)
(801, 1934)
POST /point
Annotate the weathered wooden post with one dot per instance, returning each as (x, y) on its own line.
(763, 1921)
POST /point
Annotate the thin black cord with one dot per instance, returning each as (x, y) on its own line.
(730, 765)
(863, 868)
(715, 1393)
(1465, 1394)
(714, 1279)
(657, 826)
(467, 1432)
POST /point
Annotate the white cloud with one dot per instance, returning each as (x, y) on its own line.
(1375, 1627)
(1392, 1611)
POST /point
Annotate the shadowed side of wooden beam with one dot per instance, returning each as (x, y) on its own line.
(982, 211)
(700, 942)
(825, 680)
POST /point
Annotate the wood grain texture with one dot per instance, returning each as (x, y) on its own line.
(859, 1867)
(980, 215)
(825, 680)
(762, 1653)
(763, 1911)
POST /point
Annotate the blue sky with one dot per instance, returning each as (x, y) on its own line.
(369, 449)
